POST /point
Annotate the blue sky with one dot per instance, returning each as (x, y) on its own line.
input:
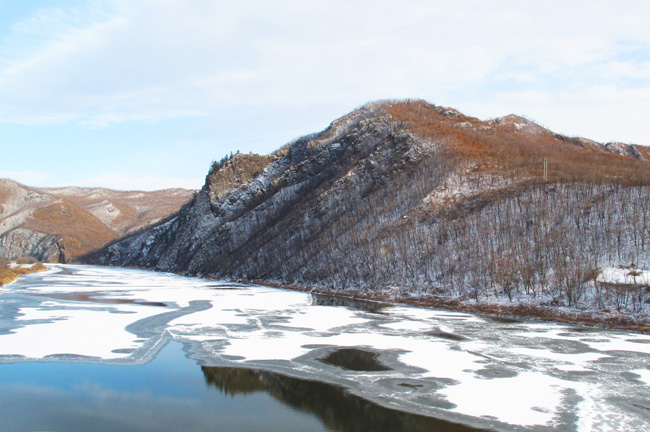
(144, 94)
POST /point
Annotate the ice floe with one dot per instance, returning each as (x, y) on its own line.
(91, 332)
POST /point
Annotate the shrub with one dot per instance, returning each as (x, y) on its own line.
(216, 165)
(27, 260)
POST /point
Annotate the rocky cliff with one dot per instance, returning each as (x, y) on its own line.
(417, 198)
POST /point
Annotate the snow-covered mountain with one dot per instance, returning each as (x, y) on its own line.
(413, 198)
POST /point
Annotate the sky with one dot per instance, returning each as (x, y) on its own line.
(144, 94)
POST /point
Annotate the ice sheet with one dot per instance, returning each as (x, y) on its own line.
(115, 314)
(89, 332)
(504, 399)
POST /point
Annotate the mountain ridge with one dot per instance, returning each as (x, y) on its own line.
(59, 224)
(410, 196)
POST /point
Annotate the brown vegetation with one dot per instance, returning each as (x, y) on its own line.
(8, 275)
(124, 211)
(234, 171)
(26, 260)
(518, 153)
(80, 231)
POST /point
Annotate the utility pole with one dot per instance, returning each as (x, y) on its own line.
(545, 170)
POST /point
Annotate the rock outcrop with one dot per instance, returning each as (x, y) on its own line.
(22, 242)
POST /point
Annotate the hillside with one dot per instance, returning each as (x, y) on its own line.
(413, 200)
(62, 223)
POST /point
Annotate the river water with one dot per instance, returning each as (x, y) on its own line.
(94, 348)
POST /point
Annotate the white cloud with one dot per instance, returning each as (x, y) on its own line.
(150, 60)
(624, 70)
(621, 113)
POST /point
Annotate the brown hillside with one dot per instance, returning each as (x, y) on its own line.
(62, 223)
(81, 232)
(518, 146)
(236, 171)
(124, 211)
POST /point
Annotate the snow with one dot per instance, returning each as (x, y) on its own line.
(212, 316)
(115, 316)
(408, 325)
(645, 375)
(91, 332)
(261, 346)
(623, 276)
(105, 211)
(621, 344)
(324, 318)
(439, 361)
(573, 362)
(463, 184)
(478, 397)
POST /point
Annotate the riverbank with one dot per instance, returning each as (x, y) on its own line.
(514, 310)
(9, 275)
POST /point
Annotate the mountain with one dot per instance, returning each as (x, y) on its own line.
(408, 198)
(59, 224)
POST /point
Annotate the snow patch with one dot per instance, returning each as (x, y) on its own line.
(105, 211)
(464, 185)
(504, 399)
(624, 276)
(91, 332)
(645, 375)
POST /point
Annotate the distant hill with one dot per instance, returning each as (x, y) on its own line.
(407, 197)
(59, 224)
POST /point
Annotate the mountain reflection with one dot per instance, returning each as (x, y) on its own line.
(338, 409)
(359, 304)
(355, 359)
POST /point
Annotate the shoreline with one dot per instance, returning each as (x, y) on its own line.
(515, 310)
(519, 311)
(10, 275)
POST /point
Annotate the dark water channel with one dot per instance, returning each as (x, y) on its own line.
(174, 393)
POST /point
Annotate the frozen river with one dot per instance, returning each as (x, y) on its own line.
(466, 369)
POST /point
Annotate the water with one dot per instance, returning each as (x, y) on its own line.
(89, 348)
(167, 394)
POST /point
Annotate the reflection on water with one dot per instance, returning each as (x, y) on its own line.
(96, 297)
(355, 359)
(166, 395)
(338, 409)
(363, 305)
(502, 320)
(446, 335)
(584, 330)
(170, 394)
